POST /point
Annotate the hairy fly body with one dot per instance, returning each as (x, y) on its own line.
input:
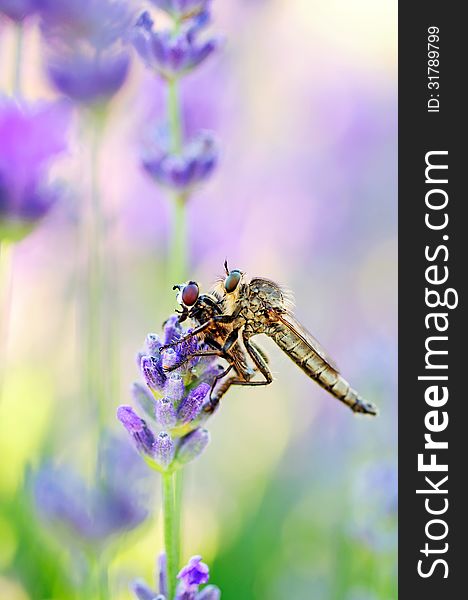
(261, 306)
(218, 333)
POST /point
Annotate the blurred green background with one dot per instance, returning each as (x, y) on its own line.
(295, 497)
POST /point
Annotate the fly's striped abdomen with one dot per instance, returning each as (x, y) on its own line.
(317, 368)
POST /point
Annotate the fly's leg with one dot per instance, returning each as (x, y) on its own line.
(183, 362)
(217, 350)
(218, 377)
(261, 363)
(200, 329)
(261, 351)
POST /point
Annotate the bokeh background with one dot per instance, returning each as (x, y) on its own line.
(295, 497)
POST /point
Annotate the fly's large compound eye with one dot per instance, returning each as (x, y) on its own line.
(190, 293)
(232, 281)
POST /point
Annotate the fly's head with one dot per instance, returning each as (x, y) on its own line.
(232, 289)
(196, 306)
(187, 296)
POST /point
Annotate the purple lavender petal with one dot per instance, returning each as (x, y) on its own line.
(144, 398)
(194, 573)
(192, 445)
(162, 564)
(169, 358)
(142, 435)
(172, 329)
(153, 343)
(202, 52)
(129, 419)
(184, 593)
(164, 449)
(211, 371)
(153, 373)
(191, 406)
(174, 388)
(211, 592)
(165, 413)
(143, 591)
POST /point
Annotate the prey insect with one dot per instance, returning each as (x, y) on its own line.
(262, 306)
(218, 334)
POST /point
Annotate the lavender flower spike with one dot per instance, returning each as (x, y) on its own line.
(168, 53)
(25, 196)
(184, 171)
(194, 574)
(114, 503)
(18, 10)
(176, 393)
(86, 56)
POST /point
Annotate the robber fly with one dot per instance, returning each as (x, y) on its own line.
(262, 306)
(218, 334)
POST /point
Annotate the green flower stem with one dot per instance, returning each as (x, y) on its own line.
(174, 115)
(170, 518)
(103, 575)
(93, 346)
(6, 252)
(172, 482)
(179, 482)
(18, 60)
(178, 245)
(96, 586)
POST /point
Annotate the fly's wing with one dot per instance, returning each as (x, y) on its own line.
(287, 319)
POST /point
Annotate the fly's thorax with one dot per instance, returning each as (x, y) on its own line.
(267, 293)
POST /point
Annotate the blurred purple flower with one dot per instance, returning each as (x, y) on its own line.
(194, 574)
(170, 53)
(86, 57)
(115, 503)
(183, 172)
(31, 136)
(375, 505)
(174, 400)
(18, 10)
(182, 9)
(88, 79)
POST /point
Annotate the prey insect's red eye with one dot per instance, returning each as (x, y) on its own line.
(232, 281)
(190, 294)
